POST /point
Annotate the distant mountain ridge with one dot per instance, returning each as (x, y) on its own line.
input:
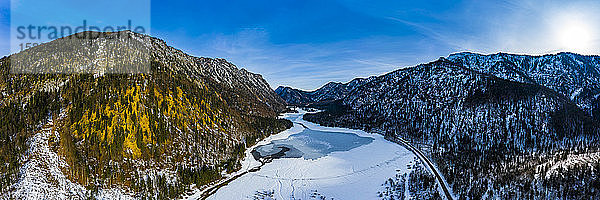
(329, 92)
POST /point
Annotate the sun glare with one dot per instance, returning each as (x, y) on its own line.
(573, 34)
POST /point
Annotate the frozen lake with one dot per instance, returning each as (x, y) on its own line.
(321, 161)
(313, 144)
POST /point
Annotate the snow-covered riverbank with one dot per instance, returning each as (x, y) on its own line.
(354, 174)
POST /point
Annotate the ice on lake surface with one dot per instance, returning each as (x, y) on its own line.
(313, 144)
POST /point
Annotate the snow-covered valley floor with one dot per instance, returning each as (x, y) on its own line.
(355, 174)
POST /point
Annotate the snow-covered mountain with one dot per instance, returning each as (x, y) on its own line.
(494, 130)
(111, 132)
(575, 76)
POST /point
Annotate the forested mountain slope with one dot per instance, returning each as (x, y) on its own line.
(180, 122)
(491, 136)
(575, 76)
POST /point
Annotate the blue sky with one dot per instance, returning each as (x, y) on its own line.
(305, 44)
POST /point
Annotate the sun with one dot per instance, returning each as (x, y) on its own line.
(573, 34)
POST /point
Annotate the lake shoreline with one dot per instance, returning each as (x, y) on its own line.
(248, 164)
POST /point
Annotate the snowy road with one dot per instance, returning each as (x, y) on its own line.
(440, 179)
